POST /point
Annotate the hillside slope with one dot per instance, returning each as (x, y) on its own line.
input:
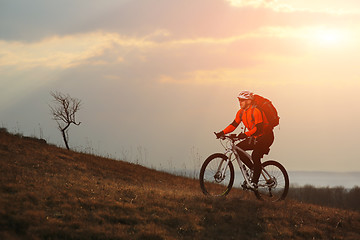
(51, 193)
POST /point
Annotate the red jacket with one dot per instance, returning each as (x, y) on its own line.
(254, 121)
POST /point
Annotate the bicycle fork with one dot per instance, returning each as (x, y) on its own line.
(220, 173)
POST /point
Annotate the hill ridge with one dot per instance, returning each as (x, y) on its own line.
(52, 193)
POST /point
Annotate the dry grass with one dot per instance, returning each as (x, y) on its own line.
(51, 193)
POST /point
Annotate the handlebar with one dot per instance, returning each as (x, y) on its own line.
(232, 137)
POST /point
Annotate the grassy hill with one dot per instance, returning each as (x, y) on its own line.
(50, 193)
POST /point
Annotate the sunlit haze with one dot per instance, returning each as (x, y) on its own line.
(158, 77)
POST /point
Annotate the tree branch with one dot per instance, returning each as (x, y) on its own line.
(64, 112)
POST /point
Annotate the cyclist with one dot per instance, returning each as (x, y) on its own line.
(258, 137)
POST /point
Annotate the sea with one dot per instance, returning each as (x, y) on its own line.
(347, 180)
(325, 179)
(317, 179)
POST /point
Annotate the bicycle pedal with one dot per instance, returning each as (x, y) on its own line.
(246, 186)
(253, 187)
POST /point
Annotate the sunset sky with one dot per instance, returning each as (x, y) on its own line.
(158, 77)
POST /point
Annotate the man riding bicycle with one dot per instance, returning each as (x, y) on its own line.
(258, 137)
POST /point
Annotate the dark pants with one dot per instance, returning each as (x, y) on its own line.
(261, 146)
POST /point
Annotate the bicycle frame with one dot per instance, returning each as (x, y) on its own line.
(217, 173)
(233, 149)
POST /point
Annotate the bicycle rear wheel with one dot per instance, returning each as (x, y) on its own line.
(273, 183)
(214, 181)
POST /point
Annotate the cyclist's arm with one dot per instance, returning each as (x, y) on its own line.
(234, 124)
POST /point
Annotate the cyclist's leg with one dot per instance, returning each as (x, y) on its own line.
(261, 147)
(244, 145)
(256, 157)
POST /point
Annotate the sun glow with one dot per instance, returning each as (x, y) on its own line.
(329, 37)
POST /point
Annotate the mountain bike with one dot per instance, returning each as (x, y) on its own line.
(217, 174)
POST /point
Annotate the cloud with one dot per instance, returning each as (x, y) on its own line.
(143, 66)
(272, 4)
(30, 21)
(54, 52)
(66, 51)
(213, 77)
(159, 54)
(278, 6)
(40, 19)
(22, 20)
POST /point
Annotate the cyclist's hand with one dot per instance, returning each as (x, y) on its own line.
(220, 134)
(242, 136)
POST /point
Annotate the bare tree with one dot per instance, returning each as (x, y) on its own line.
(64, 112)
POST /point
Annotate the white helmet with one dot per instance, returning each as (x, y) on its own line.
(246, 95)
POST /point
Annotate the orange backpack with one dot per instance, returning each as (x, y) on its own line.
(266, 106)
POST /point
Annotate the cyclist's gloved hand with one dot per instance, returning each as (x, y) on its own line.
(242, 136)
(220, 134)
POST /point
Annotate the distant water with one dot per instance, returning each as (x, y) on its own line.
(302, 178)
(325, 179)
(317, 179)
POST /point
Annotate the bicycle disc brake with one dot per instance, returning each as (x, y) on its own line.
(219, 177)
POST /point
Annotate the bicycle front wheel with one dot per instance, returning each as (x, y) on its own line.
(216, 175)
(273, 183)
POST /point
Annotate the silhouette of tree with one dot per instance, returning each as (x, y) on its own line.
(64, 113)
